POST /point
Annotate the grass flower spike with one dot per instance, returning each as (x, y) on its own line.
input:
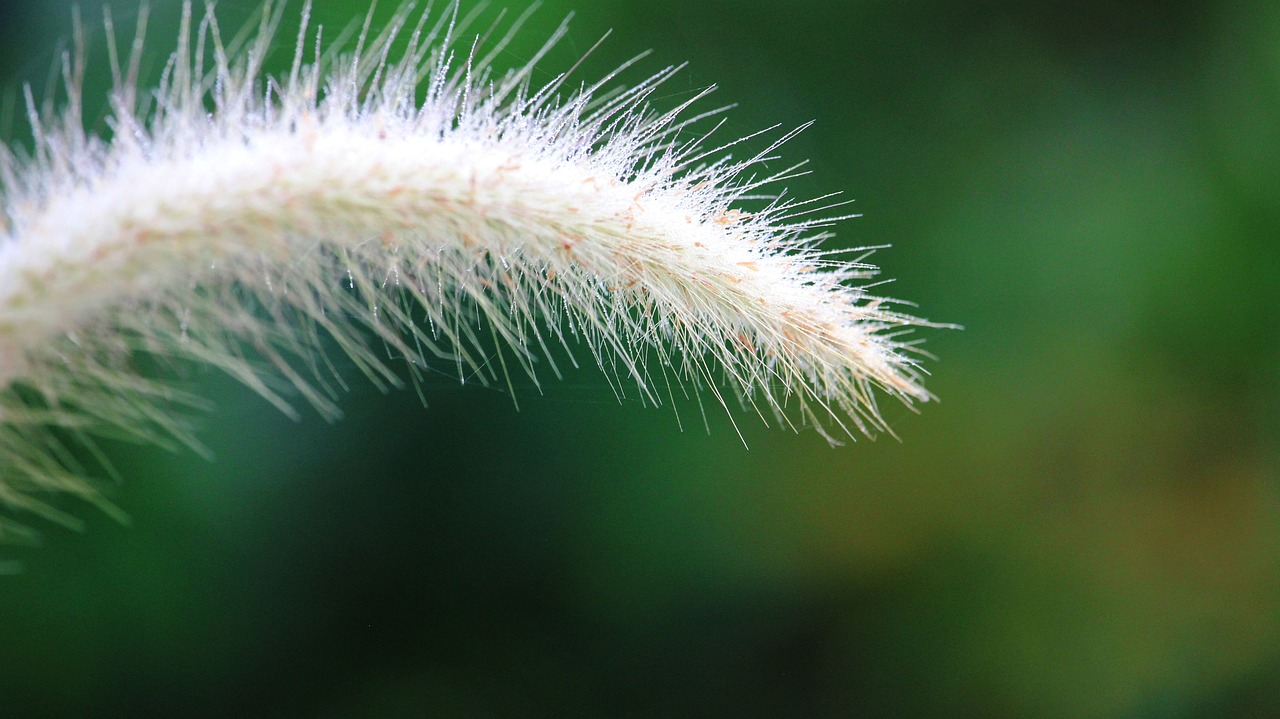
(402, 200)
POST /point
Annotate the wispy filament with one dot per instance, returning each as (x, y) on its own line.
(242, 220)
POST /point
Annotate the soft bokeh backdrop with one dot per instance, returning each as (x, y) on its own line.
(1087, 525)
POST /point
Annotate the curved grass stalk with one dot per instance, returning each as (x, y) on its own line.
(422, 208)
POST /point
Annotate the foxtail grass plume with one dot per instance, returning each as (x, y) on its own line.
(398, 197)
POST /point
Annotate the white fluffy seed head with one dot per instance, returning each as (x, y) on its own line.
(428, 205)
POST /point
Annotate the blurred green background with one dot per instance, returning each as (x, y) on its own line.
(1087, 525)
